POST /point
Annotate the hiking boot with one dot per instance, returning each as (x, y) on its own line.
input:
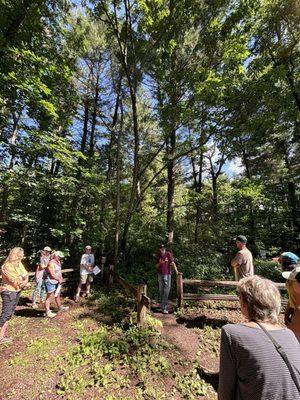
(50, 314)
(34, 305)
(63, 308)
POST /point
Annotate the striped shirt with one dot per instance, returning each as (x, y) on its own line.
(252, 369)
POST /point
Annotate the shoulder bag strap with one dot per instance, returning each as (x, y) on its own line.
(283, 355)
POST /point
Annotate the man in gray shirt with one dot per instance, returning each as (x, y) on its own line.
(242, 263)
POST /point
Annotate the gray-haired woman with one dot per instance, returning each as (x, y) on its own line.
(250, 365)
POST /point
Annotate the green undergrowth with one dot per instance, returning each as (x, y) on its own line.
(110, 357)
(119, 360)
(97, 351)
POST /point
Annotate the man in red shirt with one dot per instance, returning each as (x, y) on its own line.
(164, 263)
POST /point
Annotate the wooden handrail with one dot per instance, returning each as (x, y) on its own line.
(181, 296)
(225, 297)
(63, 271)
(207, 283)
(127, 286)
(140, 293)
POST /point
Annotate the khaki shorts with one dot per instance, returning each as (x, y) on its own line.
(86, 278)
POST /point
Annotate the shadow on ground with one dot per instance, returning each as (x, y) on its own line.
(201, 322)
(30, 313)
(212, 378)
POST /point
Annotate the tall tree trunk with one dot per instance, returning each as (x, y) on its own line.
(252, 224)
(85, 126)
(292, 196)
(94, 116)
(171, 147)
(291, 81)
(13, 139)
(198, 189)
(293, 205)
(215, 194)
(118, 191)
(135, 188)
(109, 171)
(126, 44)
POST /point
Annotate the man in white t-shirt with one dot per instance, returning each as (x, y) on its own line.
(86, 271)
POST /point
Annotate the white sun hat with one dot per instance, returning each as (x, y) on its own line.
(291, 275)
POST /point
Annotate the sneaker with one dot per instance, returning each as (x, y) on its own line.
(5, 340)
(63, 308)
(50, 314)
(34, 305)
(165, 312)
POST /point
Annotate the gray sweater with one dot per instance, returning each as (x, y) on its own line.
(252, 369)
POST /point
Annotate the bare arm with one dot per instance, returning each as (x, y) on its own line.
(175, 267)
(237, 260)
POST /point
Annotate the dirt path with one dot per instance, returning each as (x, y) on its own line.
(185, 340)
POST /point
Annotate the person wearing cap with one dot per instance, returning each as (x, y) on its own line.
(53, 281)
(86, 272)
(39, 275)
(164, 263)
(292, 314)
(243, 261)
(288, 260)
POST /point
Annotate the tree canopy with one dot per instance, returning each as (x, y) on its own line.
(125, 124)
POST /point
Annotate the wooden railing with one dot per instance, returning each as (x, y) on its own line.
(63, 271)
(181, 295)
(140, 293)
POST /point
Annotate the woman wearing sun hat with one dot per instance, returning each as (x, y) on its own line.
(53, 283)
(39, 277)
(292, 315)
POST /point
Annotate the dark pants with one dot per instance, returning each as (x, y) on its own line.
(9, 304)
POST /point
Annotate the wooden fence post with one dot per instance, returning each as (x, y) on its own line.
(179, 282)
(141, 308)
(111, 277)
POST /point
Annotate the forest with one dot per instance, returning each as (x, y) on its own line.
(130, 123)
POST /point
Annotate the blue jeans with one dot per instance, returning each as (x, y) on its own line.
(164, 283)
(39, 289)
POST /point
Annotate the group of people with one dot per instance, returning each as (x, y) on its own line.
(47, 280)
(242, 265)
(259, 359)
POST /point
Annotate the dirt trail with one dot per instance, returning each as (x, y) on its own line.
(185, 340)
